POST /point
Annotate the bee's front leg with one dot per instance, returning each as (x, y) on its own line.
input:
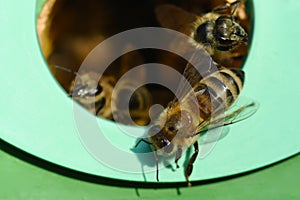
(189, 167)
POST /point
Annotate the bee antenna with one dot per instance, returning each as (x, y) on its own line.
(66, 69)
(235, 5)
(227, 7)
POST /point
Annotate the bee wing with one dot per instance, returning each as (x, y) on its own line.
(242, 109)
(214, 136)
(211, 132)
(208, 141)
(199, 66)
(173, 17)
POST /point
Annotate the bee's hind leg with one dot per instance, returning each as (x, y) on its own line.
(189, 167)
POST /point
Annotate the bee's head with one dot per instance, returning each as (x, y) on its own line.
(92, 94)
(228, 33)
(176, 125)
(86, 91)
(159, 140)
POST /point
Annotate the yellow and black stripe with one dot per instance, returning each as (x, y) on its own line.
(218, 89)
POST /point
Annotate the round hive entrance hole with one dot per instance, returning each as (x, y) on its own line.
(70, 30)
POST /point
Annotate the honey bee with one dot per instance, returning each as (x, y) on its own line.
(139, 103)
(93, 95)
(179, 126)
(97, 97)
(103, 99)
(216, 32)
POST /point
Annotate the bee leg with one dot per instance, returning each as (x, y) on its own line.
(227, 6)
(178, 156)
(156, 162)
(189, 167)
(100, 104)
(235, 5)
(97, 111)
(155, 155)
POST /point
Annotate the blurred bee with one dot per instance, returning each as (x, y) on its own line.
(179, 126)
(97, 97)
(102, 98)
(216, 31)
(93, 95)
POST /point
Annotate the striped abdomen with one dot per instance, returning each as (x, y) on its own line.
(218, 90)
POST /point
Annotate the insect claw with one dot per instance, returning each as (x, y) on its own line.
(189, 184)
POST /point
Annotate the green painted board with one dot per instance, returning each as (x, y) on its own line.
(20, 180)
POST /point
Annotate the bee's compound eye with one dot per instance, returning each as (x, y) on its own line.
(224, 21)
(171, 128)
(154, 130)
(169, 148)
(223, 26)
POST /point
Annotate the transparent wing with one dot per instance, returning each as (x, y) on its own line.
(242, 109)
(212, 132)
(208, 141)
(199, 66)
(173, 17)
(211, 137)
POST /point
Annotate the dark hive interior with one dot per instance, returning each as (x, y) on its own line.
(70, 29)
